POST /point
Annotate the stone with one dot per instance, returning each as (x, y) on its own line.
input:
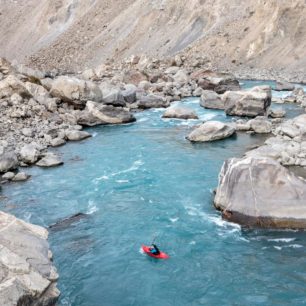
(251, 103)
(129, 93)
(99, 114)
(198, 92)
(5, 66)
(112, 96)
(242, 125)
(11, 85)
(33, 75)
(29, 153)
(172, 70)
(259, 192)
(56, 142)
(8, 161)
(152, 101)
(75, 135)
(284, 86)
(28, 132)
(50, 160)
(211, 131)
(133, 77)
(28, 276)
(8, 176)
(181, 77)
(277, 113)
(20, 176)
(212, 100)
(75, 91)
(180, 113)
(261, 125)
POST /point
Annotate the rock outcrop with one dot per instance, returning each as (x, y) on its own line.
(260, 192)
(28, 276)
(211, 131)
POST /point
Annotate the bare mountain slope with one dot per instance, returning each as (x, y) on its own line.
(74, 34)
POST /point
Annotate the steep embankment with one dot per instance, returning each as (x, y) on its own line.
(233, 35)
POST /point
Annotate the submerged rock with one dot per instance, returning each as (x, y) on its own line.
(251, 103)
(67, 222)
(259, 192)
(20, 176)
(180, 113)
(28, 276)
(210, 131)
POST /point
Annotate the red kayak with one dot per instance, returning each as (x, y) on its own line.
(161, 255)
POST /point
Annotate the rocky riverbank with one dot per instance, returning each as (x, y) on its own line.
(27, 274)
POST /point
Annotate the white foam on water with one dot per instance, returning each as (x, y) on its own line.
(294, 246)
(144, 119)
(173, 220)
(122, 181)
(27, 217)
(207, 116)
(277, 247)
(282, 240)
(94, 134)
(101, 178)
(92, 208)
(192, 242)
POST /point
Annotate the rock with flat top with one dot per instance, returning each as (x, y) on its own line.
(180, 113)
(210, 99)
(211, 131)
(50, 160)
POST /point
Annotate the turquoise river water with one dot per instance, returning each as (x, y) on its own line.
(142, 180)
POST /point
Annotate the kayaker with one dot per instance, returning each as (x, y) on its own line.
(154, 250)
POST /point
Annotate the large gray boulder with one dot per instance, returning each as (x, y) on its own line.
(49, 160)
(180, 113)
(152, 101)
(210, 99)
(284, 86)
(260, 192)
(261, 125)
(210, 131)
(76, 91)
(250, 103)
(112, 96)
(99, 114)
(28, 276)
(12, 85)
(75, 135)
(29, 153)
(8, 161)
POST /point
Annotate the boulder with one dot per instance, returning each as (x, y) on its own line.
(210, 131)
(259, 192)
(8, 161)
(28, 276)
(129, 93)
(251, 103)
(152, 101)
(8, 176)
(29, 153)
(12, 85)
(181, 77)
(211, 99)
(284, 86)
(112, 96)
(75, 135)
(50, 160)
(56, 142)
(5, 66)
(180, 113)
(277, 113)
(76, 91)
(20, 176)
(133, 77)
(261, 125)
(97, 114)
(227, 84)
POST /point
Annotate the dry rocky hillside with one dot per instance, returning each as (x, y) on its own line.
(256, 38)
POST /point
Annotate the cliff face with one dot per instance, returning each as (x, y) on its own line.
(75, 34)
